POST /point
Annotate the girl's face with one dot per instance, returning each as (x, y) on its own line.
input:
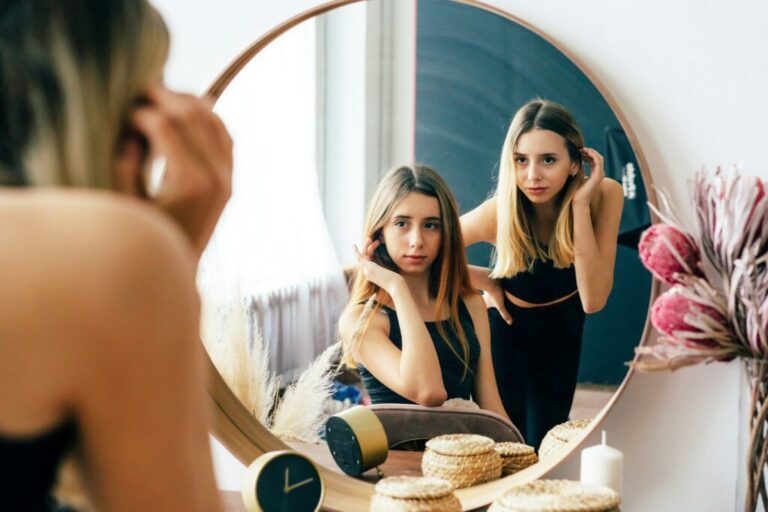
(413, 234)
(542, 165)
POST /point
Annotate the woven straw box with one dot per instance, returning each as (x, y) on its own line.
(561, 435)
(557, 496)
(414, 494)
(462, 459)
(515, 456)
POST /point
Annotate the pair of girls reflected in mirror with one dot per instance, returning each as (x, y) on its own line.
(100, 355)
(417, 328)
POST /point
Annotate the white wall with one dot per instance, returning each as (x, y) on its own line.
(689, 76)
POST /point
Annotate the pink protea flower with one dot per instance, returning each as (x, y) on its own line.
(676, 314)
(666, 251)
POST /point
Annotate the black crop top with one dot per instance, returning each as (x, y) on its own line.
(450, 365)
(28, 468)
(543, 283)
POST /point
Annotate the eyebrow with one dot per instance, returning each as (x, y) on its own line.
(410, 218)
(542, 154)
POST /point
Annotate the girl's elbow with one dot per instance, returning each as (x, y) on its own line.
(592, 305)
(432, 397)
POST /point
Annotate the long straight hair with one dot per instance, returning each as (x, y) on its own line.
(448, 274)
(516, 246)
(69, 74)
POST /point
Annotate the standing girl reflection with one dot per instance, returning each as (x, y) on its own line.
(554, 231)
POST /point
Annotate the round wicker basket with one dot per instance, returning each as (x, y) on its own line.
(515, 456)
(462, 459)
(560, 435)
(414, 494)
(557, 496)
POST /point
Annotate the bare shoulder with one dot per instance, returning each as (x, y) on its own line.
(93, 285)
(64, 216)
(611, 191)
(476, 307)
(351, 316)
(609, 198)
(108, 255)
(479, 224)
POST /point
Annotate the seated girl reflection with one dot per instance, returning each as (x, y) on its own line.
(414, 326)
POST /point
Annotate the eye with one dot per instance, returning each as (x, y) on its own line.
(400, 223)
(432, 225)
(549, 160)
(520, 160)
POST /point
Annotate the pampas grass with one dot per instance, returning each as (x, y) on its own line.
(223, 331)
(300, 414)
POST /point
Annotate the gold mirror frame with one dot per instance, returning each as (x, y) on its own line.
(246, 438)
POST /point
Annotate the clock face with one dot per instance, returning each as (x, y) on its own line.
(288, 482)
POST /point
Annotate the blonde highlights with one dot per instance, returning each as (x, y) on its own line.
(448, 275)
(73, 70)
(516, 246)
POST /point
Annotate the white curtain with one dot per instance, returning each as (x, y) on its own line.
(272, 240)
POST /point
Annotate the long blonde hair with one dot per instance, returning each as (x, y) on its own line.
(516, 246)
(448, 274)
(69, 73)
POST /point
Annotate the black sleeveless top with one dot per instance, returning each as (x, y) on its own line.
(543, 283)
(28, 468)
(451, 366)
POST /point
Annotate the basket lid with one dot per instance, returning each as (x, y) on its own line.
(461, 444)
(558, 496)
(508, 449)
(414, 487)
(570, 429)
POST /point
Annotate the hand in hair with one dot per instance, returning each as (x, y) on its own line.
(375, 273)
(584, 194)
(198, 153)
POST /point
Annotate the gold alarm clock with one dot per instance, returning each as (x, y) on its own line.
(282, 481)
(357, 440)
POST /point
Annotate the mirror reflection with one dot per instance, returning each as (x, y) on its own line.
(350, 95)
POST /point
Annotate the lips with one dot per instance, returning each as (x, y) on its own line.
(536, 190)
(414, 259)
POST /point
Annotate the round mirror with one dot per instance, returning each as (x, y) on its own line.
(319, 109)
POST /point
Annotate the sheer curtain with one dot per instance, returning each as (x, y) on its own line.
(272, 243)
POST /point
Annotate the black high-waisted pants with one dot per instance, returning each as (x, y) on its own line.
(536, 361)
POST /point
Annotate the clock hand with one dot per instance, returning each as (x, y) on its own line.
(298, 484)
(286, 487)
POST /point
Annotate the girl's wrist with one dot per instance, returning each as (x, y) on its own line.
(580, 207)
(398, 288)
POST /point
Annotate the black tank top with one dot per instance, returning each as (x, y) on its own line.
(28, 468)
(543, 283)
(457, 385)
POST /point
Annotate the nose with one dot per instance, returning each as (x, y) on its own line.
(416, 238)
(533, 172)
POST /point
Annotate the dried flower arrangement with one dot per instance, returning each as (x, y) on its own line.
(716, 308)
(299, 413)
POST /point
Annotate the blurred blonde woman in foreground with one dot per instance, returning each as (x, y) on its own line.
(99, 343)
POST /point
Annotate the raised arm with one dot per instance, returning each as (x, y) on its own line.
(486, 393)
(479, 225)
(596, 216)
(413, 372)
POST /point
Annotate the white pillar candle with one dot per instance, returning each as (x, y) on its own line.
(602, 465)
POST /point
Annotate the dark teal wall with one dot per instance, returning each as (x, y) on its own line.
(474, 70)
